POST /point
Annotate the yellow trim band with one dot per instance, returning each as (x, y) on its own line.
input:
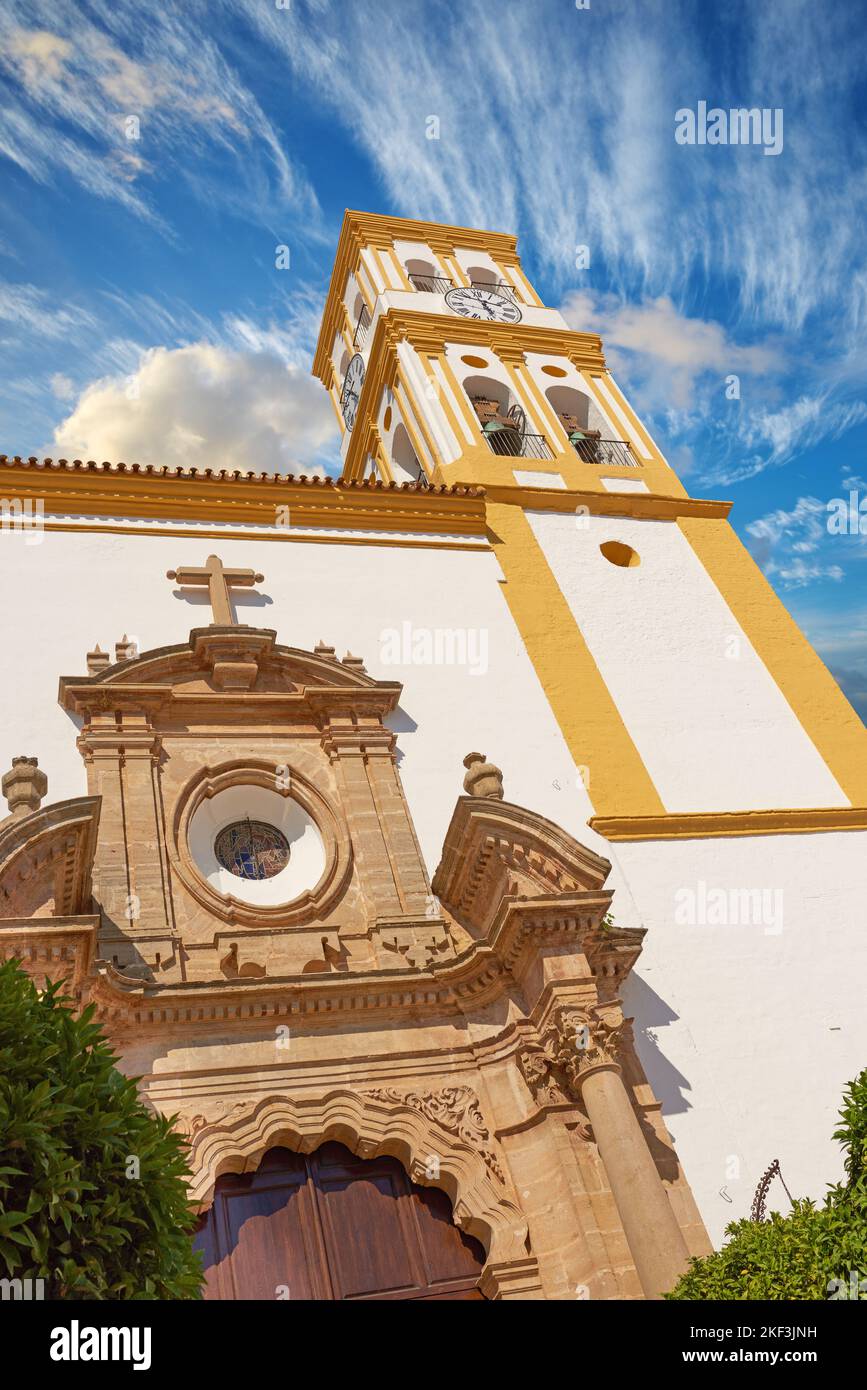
(651, 506)
(703, 825)
(288, 536)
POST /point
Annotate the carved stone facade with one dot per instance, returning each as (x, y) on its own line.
(469, 1027)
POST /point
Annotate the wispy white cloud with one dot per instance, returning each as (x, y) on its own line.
(560, 126)
(181, 388)
(795, 546)
(62, 386)
(29, 308)
(669, 348)
(555, 123)
(670, 229)
(118, 96)
(769, 438)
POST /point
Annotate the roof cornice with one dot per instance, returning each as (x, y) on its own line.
(79, 488)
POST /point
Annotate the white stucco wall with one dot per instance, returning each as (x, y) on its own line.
(710, 724)
(749, 1032)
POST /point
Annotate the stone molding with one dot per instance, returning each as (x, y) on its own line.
(306, 683)
(315, 902)
(46, 860)
(51, 948)
(478, 869)
(492, 845)
(700, 825)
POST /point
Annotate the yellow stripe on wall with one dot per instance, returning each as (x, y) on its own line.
(618, 782)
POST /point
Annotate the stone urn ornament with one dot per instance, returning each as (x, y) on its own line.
(483, 778)
(24, 786)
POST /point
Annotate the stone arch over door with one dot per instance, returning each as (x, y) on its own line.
(331, 1227)
(439, 1137)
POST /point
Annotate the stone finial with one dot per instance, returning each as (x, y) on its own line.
(355, 663)
(125, 650)
(482, 779)
(97, 661)
(323, 649)
(24, 786)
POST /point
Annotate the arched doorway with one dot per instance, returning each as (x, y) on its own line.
(331, 1226)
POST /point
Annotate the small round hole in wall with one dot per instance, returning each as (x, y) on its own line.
(386, 419)
(621, 554)
(474, 361)
(554, 371)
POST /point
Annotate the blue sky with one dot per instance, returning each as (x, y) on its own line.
(142, 315)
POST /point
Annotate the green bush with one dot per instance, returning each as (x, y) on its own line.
(800, 1255)
(71, 1130)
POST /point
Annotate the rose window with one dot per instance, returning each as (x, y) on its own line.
(252, 849)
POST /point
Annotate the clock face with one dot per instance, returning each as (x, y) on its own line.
(478, 303)
(352, 384)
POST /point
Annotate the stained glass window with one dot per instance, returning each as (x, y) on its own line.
(252, 849)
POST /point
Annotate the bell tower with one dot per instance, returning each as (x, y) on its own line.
(444, 366)
(679, 680)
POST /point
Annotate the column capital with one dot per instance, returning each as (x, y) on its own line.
(579, 1042)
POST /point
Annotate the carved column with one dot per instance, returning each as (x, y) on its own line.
(587, 1047)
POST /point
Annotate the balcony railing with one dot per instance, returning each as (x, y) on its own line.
(511, 443)
(501, 286)
(361, 327)
(610, 453)
(431, 284)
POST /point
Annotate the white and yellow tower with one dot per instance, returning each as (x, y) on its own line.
(690, 700)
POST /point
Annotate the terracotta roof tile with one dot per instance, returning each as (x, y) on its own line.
(234, 475)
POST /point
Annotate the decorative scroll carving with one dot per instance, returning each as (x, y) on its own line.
(537, 1071)
(579, 1041)
(189, 1124)
(456, 1109)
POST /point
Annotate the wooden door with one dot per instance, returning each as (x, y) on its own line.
(331, 1226)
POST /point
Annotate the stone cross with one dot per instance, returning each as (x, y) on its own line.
(219, 581)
